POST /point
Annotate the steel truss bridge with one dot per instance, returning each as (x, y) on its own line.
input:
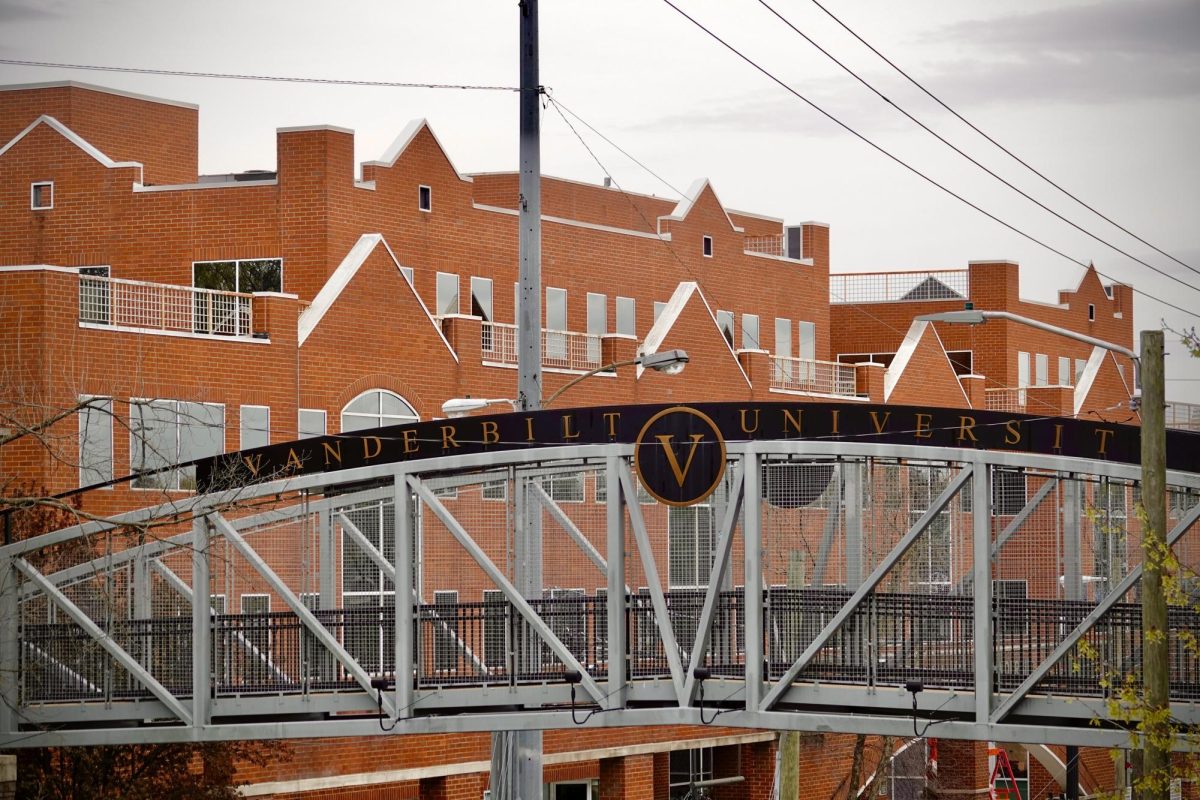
(817, 580)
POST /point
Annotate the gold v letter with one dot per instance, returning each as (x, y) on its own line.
(665, 440)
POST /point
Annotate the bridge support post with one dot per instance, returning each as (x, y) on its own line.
(617, 601)
(10, 646)
(852, 472)
(1072, 560)
(981, 552)
(327, 549)
(405, 624)
(201, 624)
(752, 531)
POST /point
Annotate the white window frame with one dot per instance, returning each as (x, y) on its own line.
(1041, 374)
(1091, 312)
(1065, 378)
(324, 422)
(706, 247)
(425, 199)
(383, 419)
(242, 425)
(237, 269)
(751, 330)
(726, 324)
(33, 187)
(627, 310)
(107, 410)
(457, 309)
(173, 467)
(1023, 370)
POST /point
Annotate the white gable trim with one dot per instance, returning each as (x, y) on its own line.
(908, 348)
(684, 206)
(670, 315)
(404, 139)
(75, 139)
(340, 279)
(1083, 386)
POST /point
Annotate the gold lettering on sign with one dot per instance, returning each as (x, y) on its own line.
(368, 454)
(834, 430)
(879, 426)
(567, 420)
(923, 430)
(529, 429)
(448, 434)
(1104, 433)
(1058, 436)
(966, 428)
(491, 432)
(793, 421)
(410, 440)
(612, 417)
(332, 450)
(1012, 433)
(742, 412)
(293, 460)
(253, 465)
(680, 472)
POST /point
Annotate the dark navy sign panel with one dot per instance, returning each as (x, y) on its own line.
(679, 456)
(838, 422)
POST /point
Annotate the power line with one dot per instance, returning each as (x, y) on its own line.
(903, 163)
(272, 78)
(1004, 149)
(965, 155)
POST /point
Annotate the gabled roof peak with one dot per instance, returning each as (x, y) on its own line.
(685, 204)
(75, 139)
(405, 138)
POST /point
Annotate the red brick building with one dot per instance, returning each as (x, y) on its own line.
(317, 298)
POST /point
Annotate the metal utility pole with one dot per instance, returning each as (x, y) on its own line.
(517, 755)
(1156, 753)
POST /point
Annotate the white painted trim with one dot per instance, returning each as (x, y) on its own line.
(1083, 387)
(319, 127)
(74, 139)
(340, 279)
(555, 370)
(212, 337)
(368, 185)
(684, 206)
(512, 212)
(904, 354)
(839, 397)
(22, 87)
(808, 262)
(33, 193)
(187, 187)
(670, 315)
(430, 190)
(751, 214)
(1008, 261)
(283, 295)
(44, 268)
(813, 223)
(468, 767)
(404, 139)
(1044, 304)
(575, 182)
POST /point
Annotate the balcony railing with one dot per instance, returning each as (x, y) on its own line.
(163, 307)
(1183, 416)
(561, 349)
(1012, 400)
(810, 375)
(891, 287)
(767, 245)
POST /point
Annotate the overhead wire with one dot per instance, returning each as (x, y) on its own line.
(879, 148)
(966, 155)
(993, 141)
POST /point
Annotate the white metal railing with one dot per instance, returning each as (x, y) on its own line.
(887, 287)
(772, 245)
(562, 349)
(163, 307)
(810, 375)
(1007, 399)
(1183, 416)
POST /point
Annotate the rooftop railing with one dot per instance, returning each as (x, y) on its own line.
(163, 307)
(1008, 399)
(1183, 416)
(772, 245)
(892, 287)
(810, 375)
(561, 349)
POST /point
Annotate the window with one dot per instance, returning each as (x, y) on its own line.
(687, 768)
(256, 638)
(1042, 364)
(495, 629)
(164, 433)
(445, 636)
(783, 350)
(94, 295)
(708, 247)
(376, 408)
(658, 309)
(255, 426)
(1110, 535)
(41, 196)
(311, 423)
(565, 487)
(246, 276)
(626, 316)
(600, 623)
(95, 441)
(1008, 492)
(366, 591)
(963, 361)
(1091, 312)
(1080, 366)
(597, 323)
(689, 546)
(750, 340)
(1064, 371)
(424, 198)
(481, 306)
(725, 323)
(1022, 369)
(807, 339)
(447, 293)
(932, 556)
(407, 272)
(557, 346)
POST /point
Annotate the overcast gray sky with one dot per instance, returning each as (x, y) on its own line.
(1104, 97)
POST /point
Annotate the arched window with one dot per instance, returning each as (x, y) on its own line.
(374, 409)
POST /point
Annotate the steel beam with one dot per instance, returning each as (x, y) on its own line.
(1064, 647)
(853, 510)
(403, 580)
(1072, 546)
(118, 653)
(618, 593)
(661, 615)
(981, 558)
(10, 644)
(902, 547)
(201, 622)
(752, 575)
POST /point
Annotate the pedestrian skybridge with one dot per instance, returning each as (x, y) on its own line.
(550, 571)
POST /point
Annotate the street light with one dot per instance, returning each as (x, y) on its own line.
(462, 406)
(668, 362)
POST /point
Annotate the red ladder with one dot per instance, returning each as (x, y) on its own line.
(1002, 769)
